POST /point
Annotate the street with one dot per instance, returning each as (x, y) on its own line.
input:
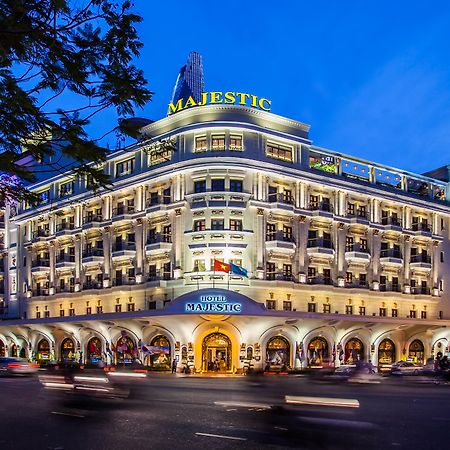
(174, 411)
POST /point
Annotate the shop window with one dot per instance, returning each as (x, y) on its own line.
(235, 224)
(218, 142)
(278, 151)
(124, 167)
(235, 142)
(318, 352)
(199, 186)
(354, 351)
(287, 306)
(236, 185)
(200, 144)
(278, 353)
(271, 304)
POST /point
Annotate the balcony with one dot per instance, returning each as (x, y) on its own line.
(40, 234)
(64, 228)
(157, 242)
(420, 290)
(280, 241)
(66, 289)
(391, 222)
(40, 292)
(421, 261)
(320, 279)
(357, 285)
(320, 247)
(421, 228)
(123, 249)
(123, 210)
(321, 208)
(281, 199)
(92, 220)
(92, 285)
(359, 216)
(389, 287)
(357, 253)
(93, 255)
(124, 281)
(40, 265)
(391, 257)
(65, 260)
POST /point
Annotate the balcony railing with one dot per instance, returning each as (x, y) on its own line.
(67, 289)
(390, 253)
(320, 280)
(159, 200)
(41, 263)
(92, 285)
(65, 258)
(423, 290)
(281, 198)
(39, 292)
(40, 233)
(92, 218)
(157, 238)
(421, 226)
(120, 210)
(391, 220)
(357, 284)
(356, 248)
(279, 236)
(319, 242)
(124, 281)
(321, 206)
(93, 252)
(421, 259)
(65, 226)
(121, 246)
(389, 287)
(361, 213)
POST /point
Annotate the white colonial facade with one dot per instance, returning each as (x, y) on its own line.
(348, 257)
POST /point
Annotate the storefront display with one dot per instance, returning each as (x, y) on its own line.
(386, 352)
(94, 350)
(318, 352)
(2, 348)
(416, 352)
(43, 352)
(354, 351)
(125, 349)
(278, 353)
(67, 350)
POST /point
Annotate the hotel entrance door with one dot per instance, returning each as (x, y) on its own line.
(216, 355)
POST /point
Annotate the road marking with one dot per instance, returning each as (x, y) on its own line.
(221, 436)
(60, 413)
(260, 406)
(338, 422)
(322, 401)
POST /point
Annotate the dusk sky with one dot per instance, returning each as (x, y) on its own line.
(372, 80)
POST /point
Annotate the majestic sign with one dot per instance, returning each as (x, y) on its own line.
(227, 98)
(213, 304)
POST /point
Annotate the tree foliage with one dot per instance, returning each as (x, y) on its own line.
(77, 53)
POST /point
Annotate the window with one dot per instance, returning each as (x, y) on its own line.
(218, 184)
(327, 276)
(363, 279)
(278, 151)
(200, 144)
(394, 312)
(217, 224)
(199, 186)
(218, 142)
(362, 310)
(66, 188)
(38, 314)
(441, 285)
(349, 244)
(273, 194)
(61, 313)
(152, 273)
(152, 305)
(199, 225)
(199, 265)
(311, 307)
(166, 233)
(271, 304)
(270, 232)
(88, 310)
(99, 309)
(235, 142)
(382, 312)
(349, 277)
(287, 272)
(167, 198)
(287, 306)
(44, 196)
(311, 272)
(351, 209)
(326, 308)
(412, 314)
(159, 155)
(287, 234)
(423, 314)
(124, 167)
(348, 309)
(236, 224)
(118, 308)
(236, 262)
(236, 185)
(71, 311)
(363, 245)
(287, 197)
(442, 257)
(130, 307)
(46, 314)
(270, 271)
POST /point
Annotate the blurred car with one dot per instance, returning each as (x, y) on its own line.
(17, 366)
(406, 368)
(344, 371)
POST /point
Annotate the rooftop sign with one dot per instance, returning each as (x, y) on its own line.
(227, 98)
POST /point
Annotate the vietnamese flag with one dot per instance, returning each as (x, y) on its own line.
(221, 266)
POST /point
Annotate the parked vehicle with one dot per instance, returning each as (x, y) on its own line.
(406, 368)
(17, 366)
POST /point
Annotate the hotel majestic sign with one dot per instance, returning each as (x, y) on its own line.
(227, 98)
(214, 304)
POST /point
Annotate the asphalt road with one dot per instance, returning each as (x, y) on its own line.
(175, 412)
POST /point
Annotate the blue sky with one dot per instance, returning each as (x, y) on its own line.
(371, 78)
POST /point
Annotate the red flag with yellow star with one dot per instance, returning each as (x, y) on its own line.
(220, 266)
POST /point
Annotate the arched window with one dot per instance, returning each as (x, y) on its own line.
(67, 350)
(13, 351)
(125, 350)
(94, 350)
(318, 352)
(278, 355)
(216, 353)
(386, 352)
(416, 351)
(160, 353)
(2, 348)
(43, 350)
(354, 351)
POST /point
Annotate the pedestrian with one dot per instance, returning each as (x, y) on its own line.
(174, 365)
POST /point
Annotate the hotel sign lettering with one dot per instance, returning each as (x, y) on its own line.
(227, 98)
(213, 304)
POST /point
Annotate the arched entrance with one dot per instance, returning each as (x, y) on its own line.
(22, 353)
(416, 351)
(43, 351)
(386, 352)
(216, 353)
(13, 351)
(125, 349)
(318, 352)
(278, 353)
(67, 350)
(2, 348)
(160, 353)
(354, 351)
(94, 350)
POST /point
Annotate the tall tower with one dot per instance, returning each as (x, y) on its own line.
(190, 79)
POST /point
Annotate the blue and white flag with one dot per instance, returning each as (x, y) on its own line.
(238, 270)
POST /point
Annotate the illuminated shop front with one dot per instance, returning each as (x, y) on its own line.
(2, 348)
(318, 352)
(354, 351)
(216, 353)
(68, 350)
(416, 352)
(386, 352)
(43, 352)
(278, 353)
(94, 350)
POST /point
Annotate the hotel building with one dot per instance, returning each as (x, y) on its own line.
(346, 258)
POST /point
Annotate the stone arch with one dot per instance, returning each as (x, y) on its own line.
(318, 351)
(67, 349)
(289, 333)
(354, 350)
(387, 352)
(278, 352)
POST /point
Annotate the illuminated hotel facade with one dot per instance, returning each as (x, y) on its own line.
(346, 259)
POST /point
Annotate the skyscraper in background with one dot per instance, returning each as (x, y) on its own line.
(190, 79)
